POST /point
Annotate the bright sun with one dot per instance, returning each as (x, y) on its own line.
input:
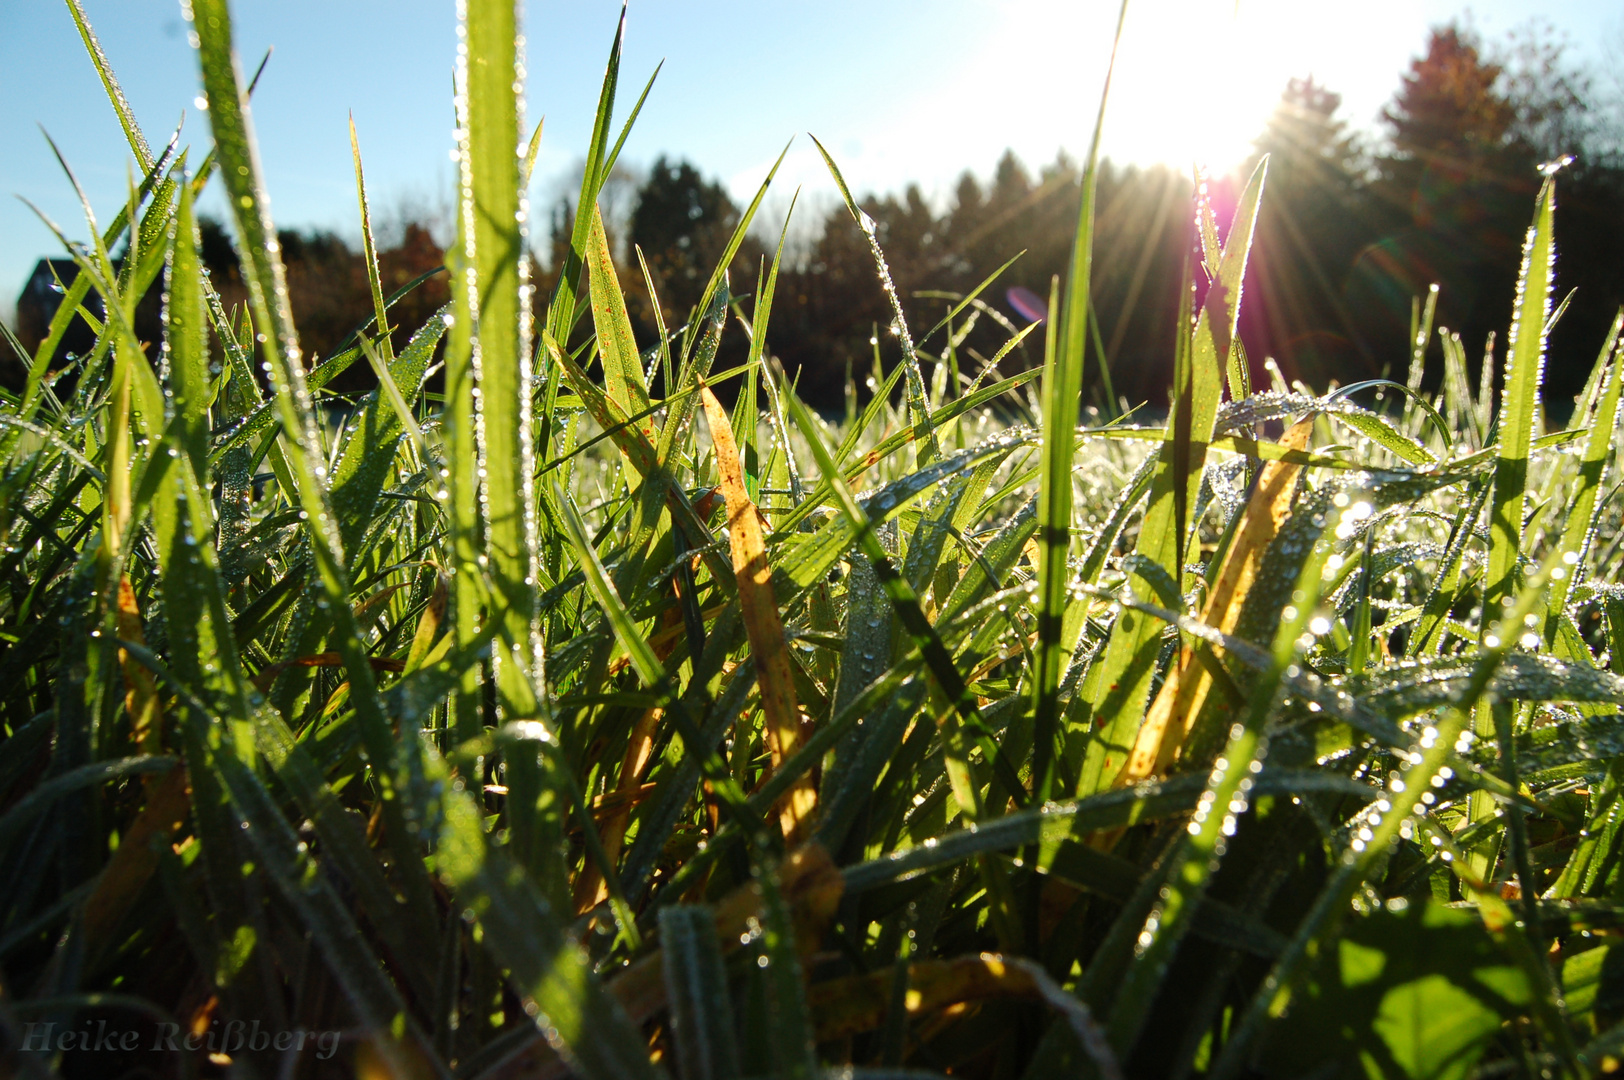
(1197, 80)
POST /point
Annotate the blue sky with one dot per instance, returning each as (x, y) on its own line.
(899, 90)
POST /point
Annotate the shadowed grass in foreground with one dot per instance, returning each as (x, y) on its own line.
(539, 726)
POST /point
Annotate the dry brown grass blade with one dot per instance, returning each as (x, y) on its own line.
(1185, 692)
(169, 798)
(369, 605)
(263, 680)
(761, 622)
(858, 1003)
(140, 689)
(428, 624)
(590, 888)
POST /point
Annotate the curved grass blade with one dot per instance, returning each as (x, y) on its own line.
(643, 660)
(1229, 787)
(267, 290)
(622, 364)
(1175, 709)
(971, 730)
(918, 401)
(718, 275)
(561, 311)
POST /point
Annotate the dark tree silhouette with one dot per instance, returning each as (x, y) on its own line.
(1316, 216)
(682, 223)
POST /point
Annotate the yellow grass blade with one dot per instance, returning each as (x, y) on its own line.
(140, 689)
(761, 622)
(1182, 696)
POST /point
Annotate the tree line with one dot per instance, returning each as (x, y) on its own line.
(1351, 233)
(1350, 236)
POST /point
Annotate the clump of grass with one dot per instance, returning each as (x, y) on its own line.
(534, 726)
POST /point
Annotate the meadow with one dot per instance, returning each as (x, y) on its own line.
(519, 722)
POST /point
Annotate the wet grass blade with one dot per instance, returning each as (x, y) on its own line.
(1426, 760)
(1525, 362)
(642, 657)
(971, 730)
(561, 310)
(502, 353)
(696, 983)
(1579, 531)
(369, 251)
(267, 289)
(1519, 403)
(789, 1019)
(1229, 787)
(565, 998)
(1179, 702)
(740, 231)
(918, 400)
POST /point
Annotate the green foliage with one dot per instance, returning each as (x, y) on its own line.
(437, 717)
(1417, 993)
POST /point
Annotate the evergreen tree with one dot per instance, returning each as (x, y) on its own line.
(1310, 149)
(1314, 220)
(682, 223)
(1448, 111)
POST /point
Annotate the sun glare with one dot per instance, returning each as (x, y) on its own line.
(1197, 80)
(1190, 84)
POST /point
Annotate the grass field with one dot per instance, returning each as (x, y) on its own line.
(521, 723)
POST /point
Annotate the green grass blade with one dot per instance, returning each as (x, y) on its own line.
(1420, 334)
(186, 323)
(1426, 760)
(719, 273)
(369, 251)
(562, 310)
(502, 347)
(267, 290)
(810, 556)
(918, 400)
(642, 657)
(1525, 362)
(1190, 870)
(1519, 403)
(696, 983)
(1065, 357)
(622, 363)
(115, 92)
(530, 153)
(1579, 532)
(971, 729)
(371, 439)
(822, 494)
(789, 1019)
